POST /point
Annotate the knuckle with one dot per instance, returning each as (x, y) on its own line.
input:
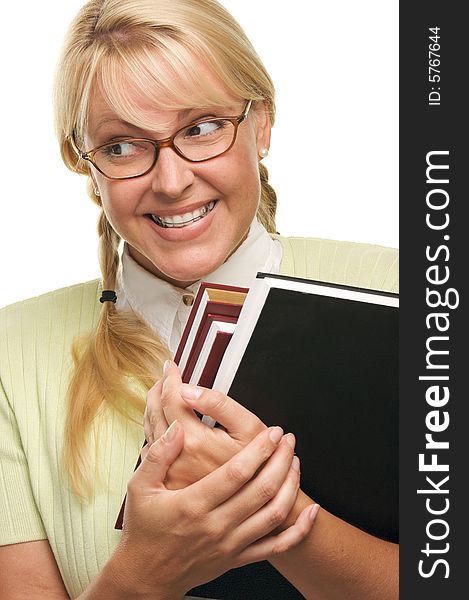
(277, 516)
(218, 401)
(266, 451)
(192, 512)
(153, 454)
(238, 472)
(266, 489)
(193, 446)
(133, 486)
(225, 549)
(152, 420)
(144, 451)
(279, 548)
(166, 397)
(214, 531)
(148, 431)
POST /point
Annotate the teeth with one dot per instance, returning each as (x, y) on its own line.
(185, 219)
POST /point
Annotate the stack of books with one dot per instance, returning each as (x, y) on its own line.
(208, 330)
(321, 360)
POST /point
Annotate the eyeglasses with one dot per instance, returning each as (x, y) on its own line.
(201, 140)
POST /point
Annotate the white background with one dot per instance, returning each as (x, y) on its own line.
(333, 159)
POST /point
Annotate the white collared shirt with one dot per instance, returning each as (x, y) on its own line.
(166, 308)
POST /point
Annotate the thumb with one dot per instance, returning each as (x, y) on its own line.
(160, 456)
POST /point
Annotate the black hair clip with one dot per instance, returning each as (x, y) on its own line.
(108, 296)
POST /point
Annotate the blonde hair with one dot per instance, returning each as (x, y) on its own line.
(153, 45)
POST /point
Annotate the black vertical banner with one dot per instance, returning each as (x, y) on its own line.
(434, 201)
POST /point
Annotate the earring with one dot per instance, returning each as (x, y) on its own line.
(96, 192)
(263, 152)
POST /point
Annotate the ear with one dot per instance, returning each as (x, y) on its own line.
(263, 125)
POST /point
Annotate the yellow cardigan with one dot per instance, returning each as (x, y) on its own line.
(35, 362)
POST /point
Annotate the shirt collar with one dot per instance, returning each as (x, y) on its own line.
(162, 305)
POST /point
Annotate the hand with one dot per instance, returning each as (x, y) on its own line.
(205, 448)
(174, 540)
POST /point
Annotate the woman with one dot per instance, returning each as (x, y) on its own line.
(167, 109)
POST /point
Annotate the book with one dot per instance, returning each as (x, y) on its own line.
(208, 320)
(320, 360)
(211, 299)
(212, 352)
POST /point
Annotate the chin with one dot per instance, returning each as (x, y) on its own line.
(183, 278)
(192, 270)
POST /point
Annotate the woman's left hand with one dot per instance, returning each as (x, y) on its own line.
(205, 448)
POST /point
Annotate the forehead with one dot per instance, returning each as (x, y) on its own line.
(150, 117)
(154, 94)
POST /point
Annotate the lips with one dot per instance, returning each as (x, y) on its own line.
(184, 219)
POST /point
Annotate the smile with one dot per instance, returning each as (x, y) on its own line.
(185, 219)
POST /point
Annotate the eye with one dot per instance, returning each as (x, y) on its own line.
(205, 128)
(124, 149)
(121, 151)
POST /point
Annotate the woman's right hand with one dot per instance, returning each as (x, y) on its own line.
(174, 540)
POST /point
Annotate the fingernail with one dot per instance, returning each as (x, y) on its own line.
(276, 434)
(166, 366)
(295, 464)
(190, 392)
(313, 511)
(171, 432)
(290, 439)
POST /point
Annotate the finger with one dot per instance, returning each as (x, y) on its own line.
(152, 471)
(276, 484)
(171, 402)
(271, 515)
(272, 546)
(154, 420)
(219, 485)
(240, 422)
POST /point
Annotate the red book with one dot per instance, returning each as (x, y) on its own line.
(211, 298)
(201, 338)
(211, 353)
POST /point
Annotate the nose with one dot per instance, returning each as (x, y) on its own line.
(172, 175)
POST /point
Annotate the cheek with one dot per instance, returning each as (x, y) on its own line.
(241, 178)
(114, 211)
(118, 199)
(249, 186)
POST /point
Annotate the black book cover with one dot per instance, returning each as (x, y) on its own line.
(326, 369)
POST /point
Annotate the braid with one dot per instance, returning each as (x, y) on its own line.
(268, 204)
(108, 255)
(122, 351)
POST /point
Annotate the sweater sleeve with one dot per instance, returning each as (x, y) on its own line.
(19, 517)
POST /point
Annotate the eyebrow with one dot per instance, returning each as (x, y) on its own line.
(183, 116)
(107, 120)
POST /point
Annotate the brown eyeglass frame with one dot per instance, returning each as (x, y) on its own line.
(165, 143)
